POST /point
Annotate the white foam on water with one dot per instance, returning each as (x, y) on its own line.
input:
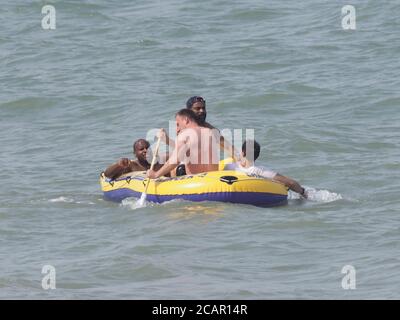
(316, 195)
(134, 203)
(68, 200)
(84, 202)
(62, 199)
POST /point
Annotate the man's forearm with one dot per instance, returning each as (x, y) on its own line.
(165, 169)
(290, 183)
(227, 146)
(296, 187)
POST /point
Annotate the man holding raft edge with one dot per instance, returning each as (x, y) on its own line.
(250, 153)
(125, 165)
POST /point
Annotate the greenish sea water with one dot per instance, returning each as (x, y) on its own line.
(324, 103)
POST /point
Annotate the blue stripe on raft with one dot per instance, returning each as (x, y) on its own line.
(259, 199)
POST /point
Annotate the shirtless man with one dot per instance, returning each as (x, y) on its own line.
(195, 146)
(124, 165)
(198, 105)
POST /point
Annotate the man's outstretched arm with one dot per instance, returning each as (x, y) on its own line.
(164, 170)
(291, 184)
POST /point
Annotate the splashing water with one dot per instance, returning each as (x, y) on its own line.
(134, 203)
(316, 195)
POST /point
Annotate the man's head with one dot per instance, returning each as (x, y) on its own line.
(198, 106)
(140, 148)
(184, 119)
(251, 150)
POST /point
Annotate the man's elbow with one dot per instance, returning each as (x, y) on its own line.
(290, 184)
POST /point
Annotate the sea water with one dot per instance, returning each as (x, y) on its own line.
(324, 105)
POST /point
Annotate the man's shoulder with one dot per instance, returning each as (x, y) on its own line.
(136, 166)
(208, 126)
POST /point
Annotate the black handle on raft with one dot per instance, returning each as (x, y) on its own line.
(228, 179)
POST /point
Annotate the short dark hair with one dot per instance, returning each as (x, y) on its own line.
(251, 144)
(192, 100)
(188, 113)
(138, 141)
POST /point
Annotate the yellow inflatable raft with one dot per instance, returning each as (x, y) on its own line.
(225, 186)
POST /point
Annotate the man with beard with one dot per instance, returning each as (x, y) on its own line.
(198, 105)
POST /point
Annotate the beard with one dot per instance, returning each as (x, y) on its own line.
(202, 118)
